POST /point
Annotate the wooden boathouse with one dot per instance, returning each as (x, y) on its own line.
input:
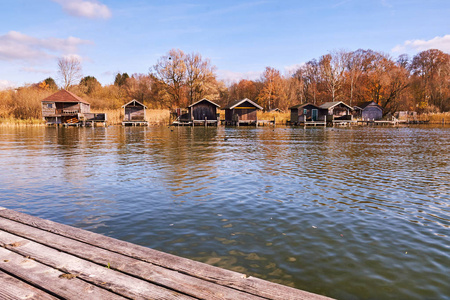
(203, 112)
(242, 112)
(337, 112)
(307, 114)
(134, 114)
(66, 108)
(368, 111)
(41, 259)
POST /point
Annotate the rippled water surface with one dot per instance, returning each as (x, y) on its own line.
(351, 213)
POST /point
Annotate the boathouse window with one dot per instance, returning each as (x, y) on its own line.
(305, 111)
(49, 105)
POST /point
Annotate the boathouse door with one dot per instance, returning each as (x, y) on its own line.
(314, 115)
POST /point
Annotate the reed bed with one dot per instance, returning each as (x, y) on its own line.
(437, 118)
(281, 118)
(154, 116)
(11, 121)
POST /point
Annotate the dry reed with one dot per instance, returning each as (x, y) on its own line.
(154, 116)
(281, 118)
(437, 118)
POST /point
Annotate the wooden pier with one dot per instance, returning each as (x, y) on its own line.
(134, 123)
(41, 259)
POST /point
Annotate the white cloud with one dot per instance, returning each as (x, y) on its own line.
(289, 70)
(18, 46)
(230, 76)
(85, 8)
(5, 84)
(441, 43)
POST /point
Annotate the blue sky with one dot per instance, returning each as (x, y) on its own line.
(240, 38)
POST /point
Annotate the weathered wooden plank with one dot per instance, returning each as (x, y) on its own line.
(101, 276)
(164, 277)
(200, 270)
(47, 279)
(13, 288)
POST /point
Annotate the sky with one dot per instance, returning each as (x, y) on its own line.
(241, 38)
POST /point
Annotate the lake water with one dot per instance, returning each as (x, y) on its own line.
(351, 213)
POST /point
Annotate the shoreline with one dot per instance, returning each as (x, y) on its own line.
(159, 117)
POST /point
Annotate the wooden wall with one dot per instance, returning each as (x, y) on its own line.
(372, 113)
(204, 110)
(47, 111)
(294, 114)
(244, 114)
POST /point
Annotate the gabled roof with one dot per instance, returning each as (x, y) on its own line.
(134, 101)
(239, 102)
(328, 105)
(204, 99)
(64, 96)
(367, 103)
(303, 105)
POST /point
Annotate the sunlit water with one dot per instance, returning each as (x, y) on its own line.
(351, 213)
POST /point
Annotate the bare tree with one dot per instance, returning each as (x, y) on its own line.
(354, 67)
(200, 77)
(69, 71)
(332, 67)
(171, 70)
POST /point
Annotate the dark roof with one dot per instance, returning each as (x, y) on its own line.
(328, 105)
(302, 105)
(365, 104)
(134, 101)
(239, 102)
(64, 96)
(204, 99)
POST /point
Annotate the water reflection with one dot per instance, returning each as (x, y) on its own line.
(345, 212)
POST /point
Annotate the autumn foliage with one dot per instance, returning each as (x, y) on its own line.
(420, 83)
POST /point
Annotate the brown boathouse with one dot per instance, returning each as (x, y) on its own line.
(204, 112)
(242, 112)
(307, 112)
(337, 112)
(66, 108)
(134, 114)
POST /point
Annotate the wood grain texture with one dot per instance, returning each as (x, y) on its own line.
(13, 288)
(164, 277)
(94, 274)
(47, 279)
(231, 279)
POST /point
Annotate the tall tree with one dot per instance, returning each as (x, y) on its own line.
(171, 70)
(49, 84)
(139, 87)
(121, 79)
(69, 71)
(431, 69)
(272, 91)
(310, 77)
(89, 84)
(332, 67)
(200, 77)
(354, 67)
